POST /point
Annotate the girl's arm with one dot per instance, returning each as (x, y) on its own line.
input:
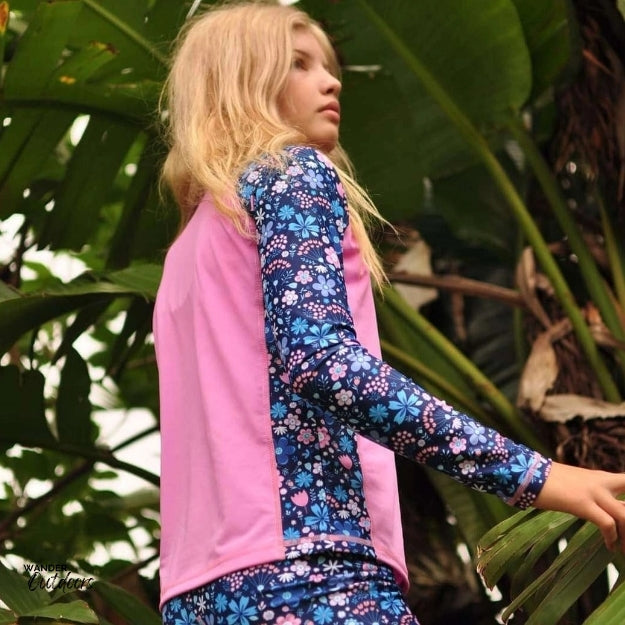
(301, 218)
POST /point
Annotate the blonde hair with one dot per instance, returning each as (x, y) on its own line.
(220, 104)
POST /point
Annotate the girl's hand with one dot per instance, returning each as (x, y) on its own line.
(589, 495)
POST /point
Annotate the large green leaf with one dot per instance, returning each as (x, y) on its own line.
(22, 415)
(73, 409)
(90, 174)
(611, 611)
(479, 58)
(40, 49)
(125, 604)
(552, 40)
(73, 611)
(24, 147)
(515, 547)
(18, 314)
(16, 593)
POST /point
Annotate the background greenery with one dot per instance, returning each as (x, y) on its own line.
(494, 130)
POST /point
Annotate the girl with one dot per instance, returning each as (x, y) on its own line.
(279, 420)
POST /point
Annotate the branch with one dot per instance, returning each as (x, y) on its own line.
(45, 499)
(458, 284)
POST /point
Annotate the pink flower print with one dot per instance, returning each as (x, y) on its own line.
(458, 445)
(280, 186)
(300, 567)
(316, 577)
(289, 298)
(337, 371)
(294, 170)
(338, 598)
(365, 523)
(306, 436)
(332, 257)
(300, 499)
(346, 461)
(324, 437)
(292, 421)
(344, 397)
(289, 619)
(467, 467)
(303, 276)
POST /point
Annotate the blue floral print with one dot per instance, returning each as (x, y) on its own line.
(331, 386)
(311, 591)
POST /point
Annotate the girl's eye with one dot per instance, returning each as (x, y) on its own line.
(299, 63)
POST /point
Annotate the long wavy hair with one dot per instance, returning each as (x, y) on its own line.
(220, 110)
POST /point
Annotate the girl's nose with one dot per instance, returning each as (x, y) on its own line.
(332, 84)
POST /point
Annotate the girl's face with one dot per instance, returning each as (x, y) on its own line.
(309, 101)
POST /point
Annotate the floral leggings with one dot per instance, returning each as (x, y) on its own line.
(316, 590)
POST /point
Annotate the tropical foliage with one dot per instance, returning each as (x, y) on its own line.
(492, 132)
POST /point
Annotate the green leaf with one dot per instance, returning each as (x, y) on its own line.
(565, 580)
(22, 416)
(7, 617)
(504, 545)
(73, 611)
(479, 58)
(90, 175)
(23, 161)
(141, 278)
(611, 611)
(16, 594)
(40, 48)
(551, 38)
(126, 605)
(20, 314)
(73, 409)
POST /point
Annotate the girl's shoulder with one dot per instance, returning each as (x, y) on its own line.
(293, 163)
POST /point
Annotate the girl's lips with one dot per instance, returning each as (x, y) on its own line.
(331, 114)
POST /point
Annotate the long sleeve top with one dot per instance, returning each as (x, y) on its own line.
(278, 415)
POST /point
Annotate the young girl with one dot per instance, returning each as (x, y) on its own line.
(279, 420)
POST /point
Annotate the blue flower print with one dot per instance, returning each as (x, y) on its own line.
(325, 286)
(266, 232)
(378, 413)
(283, 450)
(503, 475)
(241, 613)
(522, 466)
(405, 405)
(278, 410)
(286, 212)
(187, 618)
(306, 226)
(299, 326)
(221, 602)
(313, 179)
(321, 336)
(303, 479)
(290, 533)
(476, 433)
(359, 361)
(340, 494)
(392, 603)
(323, 614)
(319, 518)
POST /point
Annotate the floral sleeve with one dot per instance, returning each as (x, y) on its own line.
(301, 216)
